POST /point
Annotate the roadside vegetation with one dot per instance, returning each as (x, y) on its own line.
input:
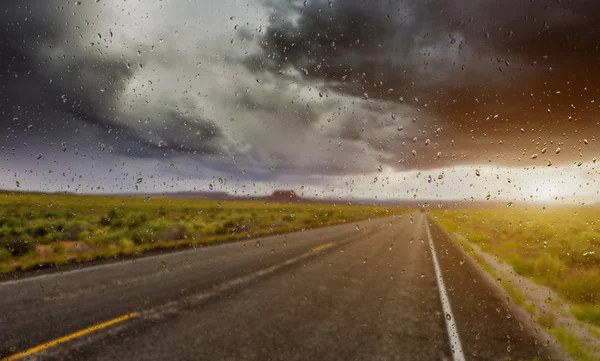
(558, 247)
(40, 230)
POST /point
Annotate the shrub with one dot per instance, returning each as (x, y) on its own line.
(127, 243)
(72, 231)
(58, 247)
(174, 233)
(113, 218)
(38, 229)
(196, 225)
(69, 214)
(5, 254)
(136, 220)
(19, 246)
(9, 222)
(109, 237)
(161, 230)
(225, 228)
(137, 236)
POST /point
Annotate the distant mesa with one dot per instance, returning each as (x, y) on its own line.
(284, 196)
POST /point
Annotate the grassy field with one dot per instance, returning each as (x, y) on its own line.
(558, 247)
(37, 230)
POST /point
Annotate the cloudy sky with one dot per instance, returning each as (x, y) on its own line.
(451, 99)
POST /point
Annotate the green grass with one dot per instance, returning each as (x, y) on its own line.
(547, 321)
(557, 247)
(587, 313)
(39, 229)
(517, 297)
(571, 344)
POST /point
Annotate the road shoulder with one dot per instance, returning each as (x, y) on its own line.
(484, 309)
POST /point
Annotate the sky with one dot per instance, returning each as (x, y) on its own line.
(391, 99)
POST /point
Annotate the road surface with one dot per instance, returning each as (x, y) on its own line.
(369, 290)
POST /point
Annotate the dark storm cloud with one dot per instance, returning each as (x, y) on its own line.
(55, 87)
(502, 80)
(288, 89)
(187, 135)
(271, 103)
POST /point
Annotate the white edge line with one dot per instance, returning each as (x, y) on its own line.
(455, 345)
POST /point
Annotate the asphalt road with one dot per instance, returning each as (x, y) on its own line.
(339, 293)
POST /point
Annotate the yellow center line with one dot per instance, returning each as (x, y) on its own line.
(321, 247)
(70, 337)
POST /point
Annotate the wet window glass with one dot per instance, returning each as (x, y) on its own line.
(299, 179)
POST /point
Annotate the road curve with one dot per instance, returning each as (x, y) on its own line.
(362, 291)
